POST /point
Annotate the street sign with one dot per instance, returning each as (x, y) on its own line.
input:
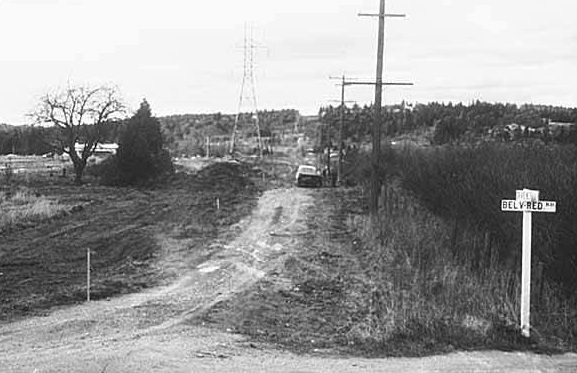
(527, 195)
(532, 206)
(527, 202)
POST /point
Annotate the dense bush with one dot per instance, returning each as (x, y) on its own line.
(141, 157)
(464, 186)
(448, 130)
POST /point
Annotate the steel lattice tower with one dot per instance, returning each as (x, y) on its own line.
(248, 88)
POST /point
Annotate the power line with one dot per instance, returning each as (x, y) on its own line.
(343, 84)
(248, 87)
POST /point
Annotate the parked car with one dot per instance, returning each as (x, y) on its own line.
(308, 176)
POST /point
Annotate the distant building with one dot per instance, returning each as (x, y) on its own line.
(101, 149)
(559, 129)
(552, 124)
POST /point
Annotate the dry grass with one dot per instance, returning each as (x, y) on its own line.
(418, 289)
(444, 261)
(139, 237)
(22, 205)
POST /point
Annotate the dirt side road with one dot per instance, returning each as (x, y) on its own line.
(159, 331)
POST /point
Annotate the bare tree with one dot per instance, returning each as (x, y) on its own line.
(80, 114)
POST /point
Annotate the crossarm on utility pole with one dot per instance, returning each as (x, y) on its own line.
(342, 84)
(381, 15)
(375, 83)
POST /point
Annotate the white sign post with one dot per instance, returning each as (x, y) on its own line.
(88, 274)
(527, 201)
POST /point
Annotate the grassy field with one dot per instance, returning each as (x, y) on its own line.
(20, 206)
(139, 237)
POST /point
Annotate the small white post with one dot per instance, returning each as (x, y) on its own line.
(88, 274)
(208, 147)
(528, 202)
(217, 203)
(526, 275)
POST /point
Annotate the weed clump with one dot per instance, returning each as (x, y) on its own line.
(22, 206)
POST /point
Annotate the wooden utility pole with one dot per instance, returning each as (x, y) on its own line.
(329, 150)
(343, 84)
(341, 125)
(342, 102)
(375, 187)
(375, 184)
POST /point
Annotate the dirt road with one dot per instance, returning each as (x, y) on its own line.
(160, 330)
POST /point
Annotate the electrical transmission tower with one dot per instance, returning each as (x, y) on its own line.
(248, 88)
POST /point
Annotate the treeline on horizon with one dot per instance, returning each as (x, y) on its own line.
(37, 140)
(183, 133)
(186, 133)
(450, 121)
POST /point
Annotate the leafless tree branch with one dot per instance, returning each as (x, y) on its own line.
(79, 112)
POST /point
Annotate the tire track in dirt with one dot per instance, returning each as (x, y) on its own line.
(70, 333)
(158, 330)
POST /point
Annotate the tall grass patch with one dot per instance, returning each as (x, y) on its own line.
(444, 263)
(464, 186)
(24, 206)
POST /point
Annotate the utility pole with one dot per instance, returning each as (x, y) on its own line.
(375, 185)
(343, 84)
(328, 148)
(247, 79)
(329, 143)
(341, 125)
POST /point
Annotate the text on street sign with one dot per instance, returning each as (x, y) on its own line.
(527, 195)
(533, 206)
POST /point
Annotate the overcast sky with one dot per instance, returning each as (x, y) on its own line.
(185, 56)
